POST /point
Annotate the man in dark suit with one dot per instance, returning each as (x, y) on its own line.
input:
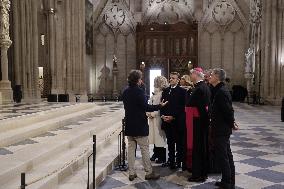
(173, 121)
(136, 124)
(222, 123)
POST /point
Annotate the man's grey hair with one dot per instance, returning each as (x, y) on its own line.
(220, 73)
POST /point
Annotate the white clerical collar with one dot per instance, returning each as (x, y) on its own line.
(173, 87)
(198, 81)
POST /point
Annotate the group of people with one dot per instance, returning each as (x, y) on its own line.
(192, 116)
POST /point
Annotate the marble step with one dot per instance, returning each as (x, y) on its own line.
(19, 134)
(24, 120)
(106, 161)
(42, 158)
(106, 153)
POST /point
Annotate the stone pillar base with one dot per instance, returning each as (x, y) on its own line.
(82, 97)
(115, 93)
(6, 90)
(57, 91)
(32, 100)
(274, 101)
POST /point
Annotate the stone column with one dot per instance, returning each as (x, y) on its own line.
(5, 43)
(52, 47)
(114, 73)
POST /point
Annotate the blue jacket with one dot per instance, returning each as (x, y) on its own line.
(136, 106)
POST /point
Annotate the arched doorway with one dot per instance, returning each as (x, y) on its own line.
(166, 47)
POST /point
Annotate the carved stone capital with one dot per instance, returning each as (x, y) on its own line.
(255, 11)
(4, 21)
(5, 43)
(249, 76)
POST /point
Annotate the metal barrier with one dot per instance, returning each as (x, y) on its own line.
(122, 166)
(282, 110)
(23, 181)
(23, 175)
(94, 163)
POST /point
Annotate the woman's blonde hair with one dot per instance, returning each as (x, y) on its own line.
(187, 80)
(161, 82)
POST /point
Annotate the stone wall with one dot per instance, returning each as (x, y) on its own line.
(112, 37)
(63, 53)
(25, 46)
(272, 43)
(223, 37)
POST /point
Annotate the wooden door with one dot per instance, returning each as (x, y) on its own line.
(169, 47)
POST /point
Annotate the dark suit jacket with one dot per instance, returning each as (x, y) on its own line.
(175, 106)
(221, 111)
(136, 106)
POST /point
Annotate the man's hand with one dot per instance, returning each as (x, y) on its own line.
(149, 115)
(163, 103)
(235, 126)
(168, 119)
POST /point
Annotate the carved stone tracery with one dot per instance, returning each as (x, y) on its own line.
(4, 21)
(223, 13)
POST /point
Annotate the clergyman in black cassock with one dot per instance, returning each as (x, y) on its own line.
(198, 103)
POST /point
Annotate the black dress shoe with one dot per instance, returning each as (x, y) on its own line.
(222, 185)
(196, 179)
(159, 161)
(218, 183)
(184, 168)
(178, 164)
(166, 164)
(153, 158)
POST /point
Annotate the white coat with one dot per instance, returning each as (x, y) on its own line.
(156, 134)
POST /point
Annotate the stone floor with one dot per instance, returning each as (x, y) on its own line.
(20, 109)
(258, 149)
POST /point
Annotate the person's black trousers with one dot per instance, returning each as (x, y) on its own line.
(160, 154)
(176, 142)
(224, 158)
(169, 130)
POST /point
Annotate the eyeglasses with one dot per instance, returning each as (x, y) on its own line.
(211, 75)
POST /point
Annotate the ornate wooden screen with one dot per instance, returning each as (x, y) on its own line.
(169, 47)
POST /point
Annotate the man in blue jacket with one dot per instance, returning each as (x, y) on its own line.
(136, 124)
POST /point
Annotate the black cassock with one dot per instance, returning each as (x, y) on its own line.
(197, 113)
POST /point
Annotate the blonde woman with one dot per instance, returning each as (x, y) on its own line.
(186, 83)
(156, 134)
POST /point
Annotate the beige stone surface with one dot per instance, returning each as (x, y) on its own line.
(57, 157)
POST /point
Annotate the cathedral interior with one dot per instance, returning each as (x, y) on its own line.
(88, 47)
(79, 51)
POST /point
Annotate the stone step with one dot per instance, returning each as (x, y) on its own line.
(24, 120)
(78, 163)
(37, 161)
(61, 119)
(106, 161)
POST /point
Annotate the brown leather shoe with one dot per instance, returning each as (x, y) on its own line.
(152, 176)
(132, 177)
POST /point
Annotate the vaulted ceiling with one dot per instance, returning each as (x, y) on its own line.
(170, 11)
